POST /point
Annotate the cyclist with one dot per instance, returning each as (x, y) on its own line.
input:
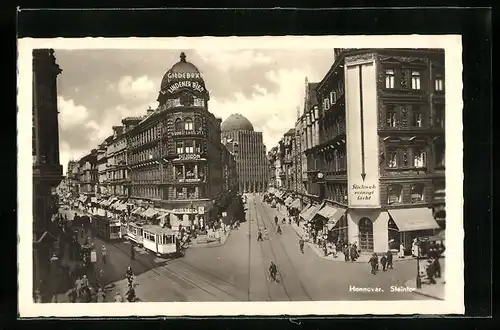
(259, 236)
(283, 221)
(273, 271)
(129, 274)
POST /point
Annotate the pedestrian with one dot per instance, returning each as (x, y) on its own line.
(118, 297)
(389, 259)
(334, 250)
(101, 295)
(104, 253)
(259, 236)
(132, 252)
(301, 245)
(71, 295)
(373, 263)
(401, 253)
(415, 248)
(383, 262)
(325, 250)
(431, 271)
(278, 230)
(276, 220)
(266, 233)
(346, 253)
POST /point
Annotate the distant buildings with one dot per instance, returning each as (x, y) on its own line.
(371, 141)
(250, 153)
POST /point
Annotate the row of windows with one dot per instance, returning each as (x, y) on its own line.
(337, 193)
(187, 124)
(417, 194)
(192, 101)
(149, 192)
(335, 95)
(409, 79)
(412, 116)
(146, 136)
(151, 153)
(146, 174)
(414, 157)
(186, 192)
(188, 147)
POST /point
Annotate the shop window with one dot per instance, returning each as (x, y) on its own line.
(439, 83)
(178, 124)
(190, 171)
(179, 147)
(392, 158)
(197, 146)
(419, 158)
(191, 192)
(394, 194)
(188, 124)
(415, 80)
(417, 192)
(189, 147)
(389, 78)
(178, 171)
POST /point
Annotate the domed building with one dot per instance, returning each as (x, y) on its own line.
(249, 152)
(175, 150)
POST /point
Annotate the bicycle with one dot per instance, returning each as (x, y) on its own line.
(275, 279)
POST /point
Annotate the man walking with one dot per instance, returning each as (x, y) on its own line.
(373, 263)
(132, 252)
(389, 257)
(301, 245)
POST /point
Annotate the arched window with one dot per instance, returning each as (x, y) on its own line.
(365, 235)
(197, 124)
(188, 124)
(417, 193)
(178, 124)
(394, 193)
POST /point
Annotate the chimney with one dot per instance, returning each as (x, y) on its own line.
(150, 111)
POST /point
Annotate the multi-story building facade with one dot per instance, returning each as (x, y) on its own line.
(102, 177)
(230, 172)
(47, 170)
(379, 154)
(288, 169)
(251, 156)
(72, 180)
(271, 159)
(174, 153)
(117, 168)
(88, 173)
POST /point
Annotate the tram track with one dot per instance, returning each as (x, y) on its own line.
(271, 249)
(269, 218)
(255, 214)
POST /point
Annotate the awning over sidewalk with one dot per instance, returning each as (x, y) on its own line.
(151, 212)
(93, 199)
(305, 209)
(288, 200)
(313, 210)
(413, 219)
(295, 204)
(332, 213)
(137, 210)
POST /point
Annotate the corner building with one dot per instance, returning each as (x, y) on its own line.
(174, 152)
(380, 158)
(249, 151)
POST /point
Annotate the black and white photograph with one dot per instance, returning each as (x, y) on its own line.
(271, 173)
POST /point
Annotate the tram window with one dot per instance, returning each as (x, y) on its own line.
(168, 239)
(149, 237)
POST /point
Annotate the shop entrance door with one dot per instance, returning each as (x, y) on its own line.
(365, 235)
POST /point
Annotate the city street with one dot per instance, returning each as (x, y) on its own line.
(237, 271)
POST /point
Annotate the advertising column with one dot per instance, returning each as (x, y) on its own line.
(367, 227)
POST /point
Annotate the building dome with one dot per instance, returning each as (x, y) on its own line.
(181, 70)
(236, 122)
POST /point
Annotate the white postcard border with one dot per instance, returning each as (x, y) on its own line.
(454, 287)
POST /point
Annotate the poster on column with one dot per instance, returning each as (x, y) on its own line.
(361, 132)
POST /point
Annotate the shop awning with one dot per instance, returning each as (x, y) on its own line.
(121, 207)
(288, 200)
(101, 212)
(137, 210)
(309, 214)
(414, 219)
(93, 199)
(162, 216)
(295, 204)
(151, 212)
(305, 209)
(327, 211)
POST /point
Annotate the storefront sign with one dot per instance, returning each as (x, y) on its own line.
(189, 156)
(184, 211)
(201, 210)
(185, 84)
(362, 135)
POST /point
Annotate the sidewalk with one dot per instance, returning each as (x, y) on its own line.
(211, 242)
(435, 291)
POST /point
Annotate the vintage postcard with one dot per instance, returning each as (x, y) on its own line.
(294, 175)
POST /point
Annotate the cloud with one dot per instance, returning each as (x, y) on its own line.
(141, 88)
(234, 60)
(70, 114)
(272, 113)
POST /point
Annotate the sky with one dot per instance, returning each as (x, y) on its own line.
(100, 87)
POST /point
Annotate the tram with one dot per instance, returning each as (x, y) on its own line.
(159, 240)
